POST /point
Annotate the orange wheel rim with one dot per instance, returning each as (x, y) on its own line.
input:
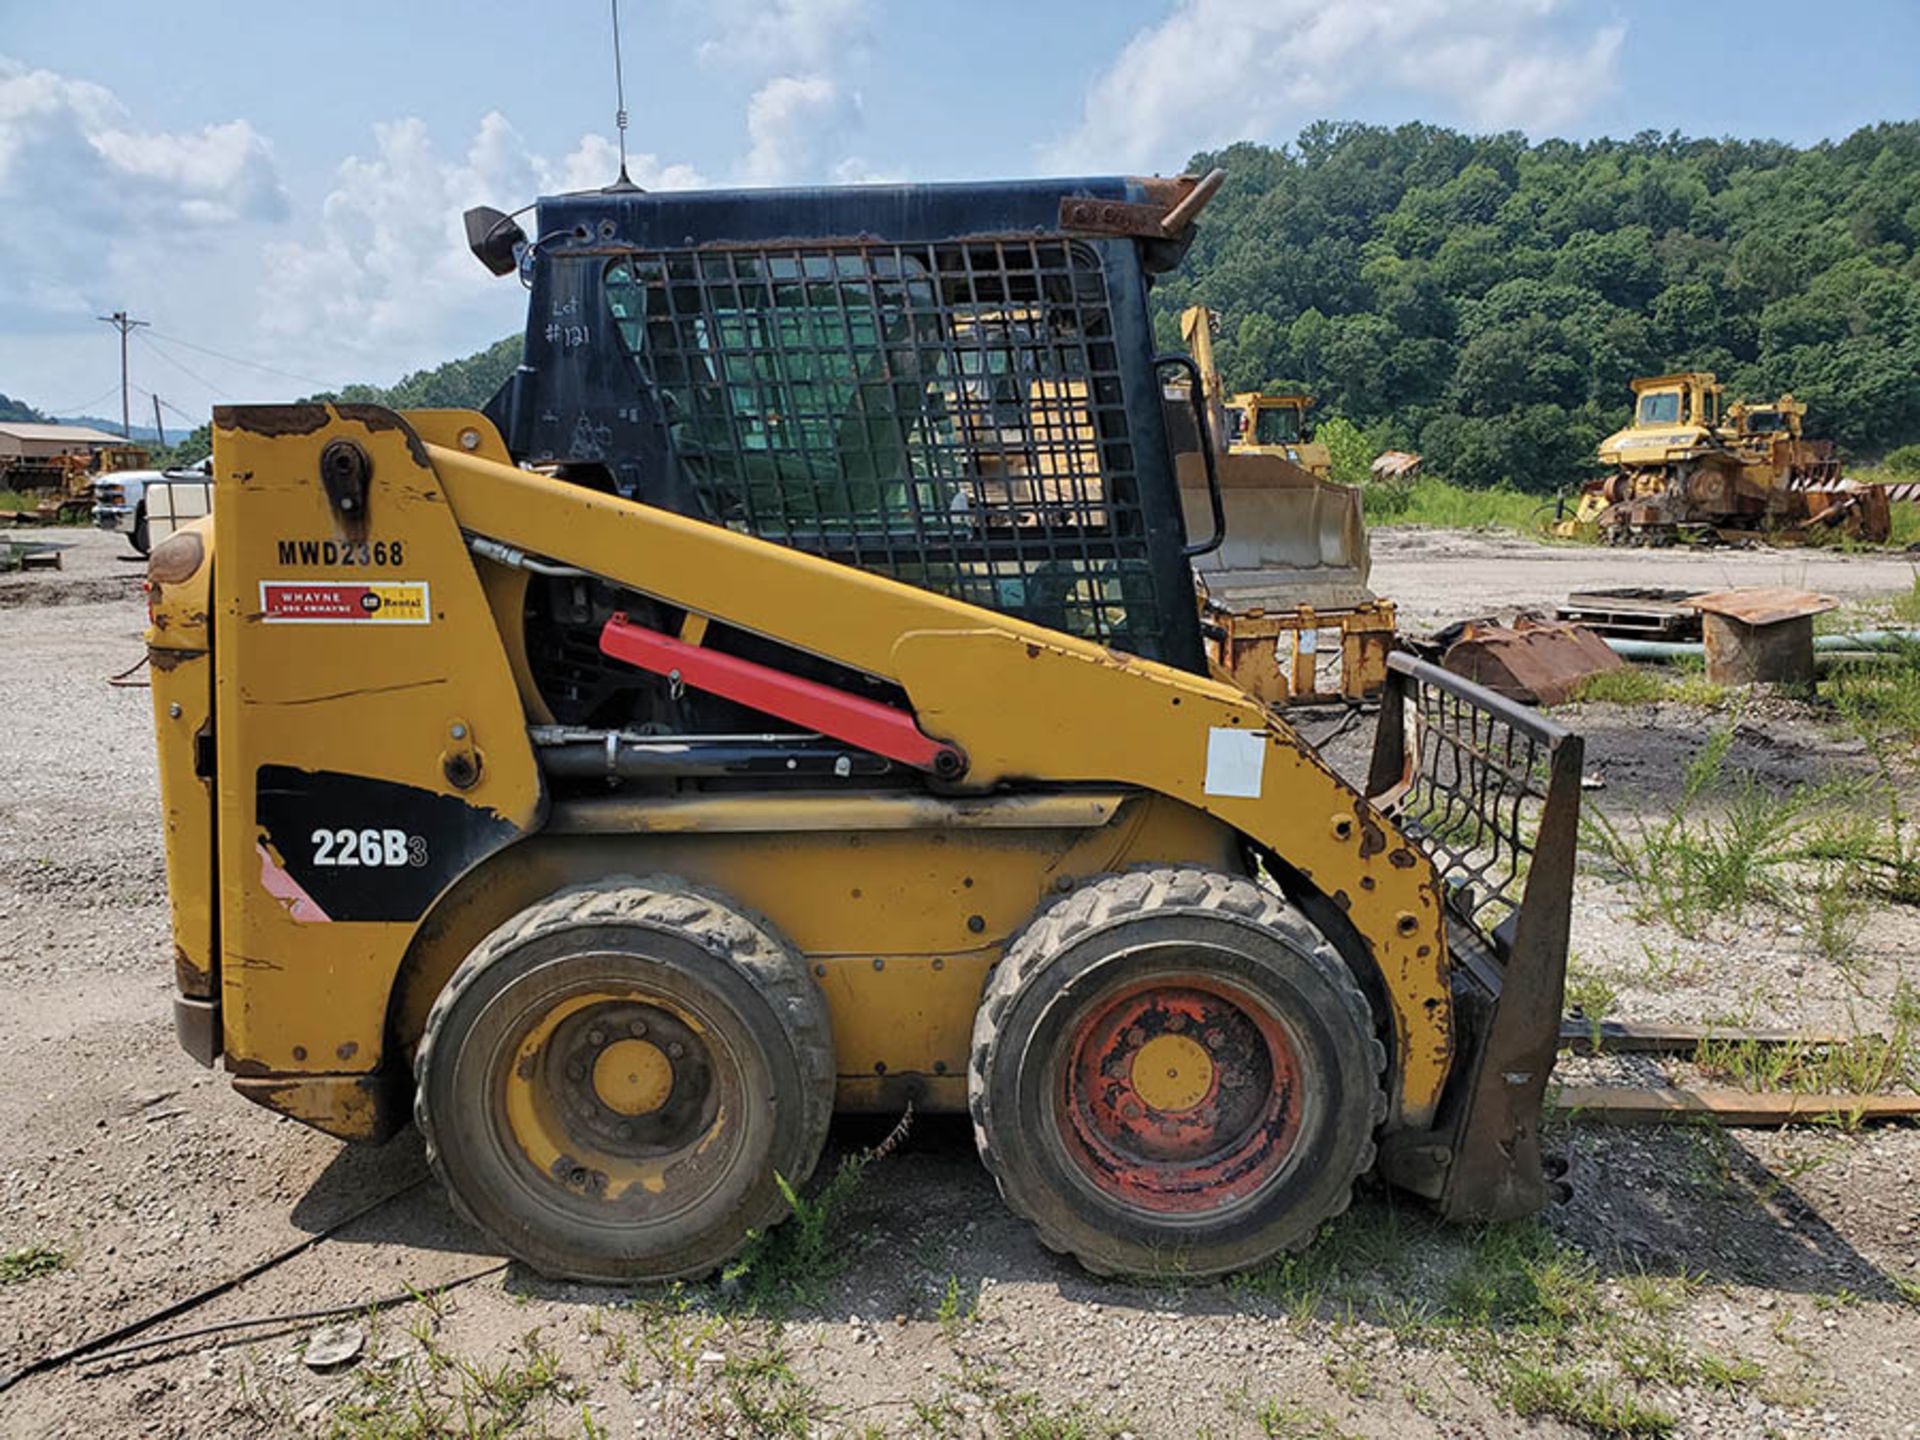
(1180, 1096)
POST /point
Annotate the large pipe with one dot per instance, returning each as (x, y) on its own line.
(1859, 642)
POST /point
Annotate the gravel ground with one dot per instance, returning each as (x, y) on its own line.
(1742, 1283)
(1438, 576)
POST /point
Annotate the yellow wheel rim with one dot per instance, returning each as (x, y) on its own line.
(1172, 1073)
(553, 1084)
(633, 1077)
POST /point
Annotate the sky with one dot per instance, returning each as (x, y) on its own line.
(277, 187)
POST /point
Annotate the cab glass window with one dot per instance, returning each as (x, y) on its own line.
(1276, 427)
(1660, 408)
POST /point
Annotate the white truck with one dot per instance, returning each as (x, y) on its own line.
(148, 505)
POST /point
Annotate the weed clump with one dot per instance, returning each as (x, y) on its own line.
(28, 1262)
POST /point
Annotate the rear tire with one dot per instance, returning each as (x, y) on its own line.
(611, 1083)
(1173, 1072)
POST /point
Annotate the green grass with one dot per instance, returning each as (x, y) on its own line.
(1695, 865)
(1878, 698)
(1430, 500)
(1534, 1388)
(1629, 685)
(1731, 842)
(1647, 684)
(14, 500)
(28, 1262)
(1533, 1320)
(1003, 1413)
(1865, 1065)
(1658, 1296)
(765, 1396)
(1289, 1420)
(447, 1396)
(957, 1308)
(794, 1262)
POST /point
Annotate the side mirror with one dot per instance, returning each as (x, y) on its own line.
(494, 237)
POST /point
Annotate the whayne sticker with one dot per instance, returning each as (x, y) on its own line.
(302, 602)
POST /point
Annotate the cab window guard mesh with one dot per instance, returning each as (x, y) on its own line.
(950, 414)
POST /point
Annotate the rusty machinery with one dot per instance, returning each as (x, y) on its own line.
(1288, 612)
(1687, 467)
(60, 487)
(788, 697)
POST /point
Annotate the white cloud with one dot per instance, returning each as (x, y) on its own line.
(73, 164)
(793, 36)
(386, 281)
(794, 122)
(1216, 71)
(74, 139)
(802, 118)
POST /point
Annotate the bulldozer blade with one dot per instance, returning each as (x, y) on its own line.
(1536, 662)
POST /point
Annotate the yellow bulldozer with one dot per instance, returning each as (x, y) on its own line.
(1289, 614)
(788, 697)
(1687, 468)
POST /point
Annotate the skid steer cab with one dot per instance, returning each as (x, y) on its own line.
(789, 696)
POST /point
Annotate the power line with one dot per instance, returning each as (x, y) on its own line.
(239, 360)
(191, 375)
(82, 407)
(186, 415)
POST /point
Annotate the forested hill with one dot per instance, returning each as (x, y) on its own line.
(1485, 301)
(464, 384)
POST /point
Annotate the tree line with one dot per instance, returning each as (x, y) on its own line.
(1485, 301)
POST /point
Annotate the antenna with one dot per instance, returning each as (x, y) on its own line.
(620, 105)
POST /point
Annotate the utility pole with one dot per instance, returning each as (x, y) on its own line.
(157, 425)
(120, 322)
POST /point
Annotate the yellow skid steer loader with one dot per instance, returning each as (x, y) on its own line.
(789, 696)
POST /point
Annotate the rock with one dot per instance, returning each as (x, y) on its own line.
(333, 1347)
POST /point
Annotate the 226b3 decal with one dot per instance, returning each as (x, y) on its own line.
(347, 846)
(320, 857)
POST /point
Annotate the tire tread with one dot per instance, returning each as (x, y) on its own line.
(1125, 896)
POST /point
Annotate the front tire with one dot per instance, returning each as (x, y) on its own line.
(138, 539)
(1172, 1072)
(616, 1080)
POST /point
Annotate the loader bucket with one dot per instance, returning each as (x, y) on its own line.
(1491, 791)
(1292, 538)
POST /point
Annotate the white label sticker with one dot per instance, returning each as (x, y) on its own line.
(1235, 760)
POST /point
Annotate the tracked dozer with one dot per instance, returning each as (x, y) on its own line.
(1687, 468)
(788, 697)
(1289, 613)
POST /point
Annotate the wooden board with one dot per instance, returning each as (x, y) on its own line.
(1629, 1037)
(1670, 1104)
